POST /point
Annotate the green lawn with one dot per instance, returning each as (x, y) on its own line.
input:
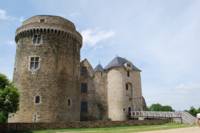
(122, 129)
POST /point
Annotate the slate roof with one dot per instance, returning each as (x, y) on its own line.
(119, 62)
(99, 68)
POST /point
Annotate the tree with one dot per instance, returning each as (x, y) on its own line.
(167, 108)
(9, 98)
(159, 107)
(3, 81)
(193, 111)
(155, 107)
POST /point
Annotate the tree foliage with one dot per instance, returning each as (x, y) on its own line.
(3, 81)
(9, 98)
(194, 111)
(159, 107)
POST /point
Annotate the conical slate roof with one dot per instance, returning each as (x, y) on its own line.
(119, 62)
(98, 68)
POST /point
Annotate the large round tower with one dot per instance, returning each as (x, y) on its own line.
(47, 70)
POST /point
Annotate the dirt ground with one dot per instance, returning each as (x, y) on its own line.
(180, 130)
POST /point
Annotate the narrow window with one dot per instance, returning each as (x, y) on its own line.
(37, 39)
(129, 111)
(128, 73)
(34, 63)
(127, 86)
(84, 87)
(37, 100)
(69, 102)
(84, 106)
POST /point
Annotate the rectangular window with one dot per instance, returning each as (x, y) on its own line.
(34, 63)
(84, 87)
(37, 39)
(83, 70)
(37, 99)
(84, 106)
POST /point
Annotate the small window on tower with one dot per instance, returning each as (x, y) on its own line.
(34, 63)
(42, 20)
(69, 102)
(37, 100)
(128, 73)
(37, 39)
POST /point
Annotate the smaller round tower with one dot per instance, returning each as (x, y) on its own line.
(124, 90)
(47, 69)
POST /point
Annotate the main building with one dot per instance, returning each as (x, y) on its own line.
(55, 86)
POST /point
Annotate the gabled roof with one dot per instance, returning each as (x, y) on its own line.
(98, 68)
(119, 62)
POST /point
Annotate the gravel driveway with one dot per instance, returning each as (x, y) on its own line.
(180, 130)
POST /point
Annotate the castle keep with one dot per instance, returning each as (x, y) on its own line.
(55, 86)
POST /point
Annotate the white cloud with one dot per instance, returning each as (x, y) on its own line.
(91, 37)
(187, 88)
(10, 42)
(5, 16)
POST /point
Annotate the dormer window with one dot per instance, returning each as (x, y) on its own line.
(128, 65)
(37, 39)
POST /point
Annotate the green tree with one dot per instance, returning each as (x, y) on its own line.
(155, 107)
(9, 98)
(159, 107)
(3, 81)
(193, 111)
(167, 108)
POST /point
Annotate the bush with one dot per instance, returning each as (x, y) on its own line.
(9, 98)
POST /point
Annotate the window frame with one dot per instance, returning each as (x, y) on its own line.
(84, 88)
(40, 99)
(37, 39)
(83, 71)
(34, 62)
(84, 109)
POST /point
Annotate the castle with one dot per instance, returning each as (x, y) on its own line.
(55, 86)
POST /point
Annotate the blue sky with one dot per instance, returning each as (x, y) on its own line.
(161, 37)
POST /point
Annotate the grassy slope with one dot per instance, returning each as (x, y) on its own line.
(123, 129)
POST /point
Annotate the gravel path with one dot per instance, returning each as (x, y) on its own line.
(180, 130)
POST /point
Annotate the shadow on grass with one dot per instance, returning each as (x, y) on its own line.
(19, 131)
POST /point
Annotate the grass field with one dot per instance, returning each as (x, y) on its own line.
(120, 129)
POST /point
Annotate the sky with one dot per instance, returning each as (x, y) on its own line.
(161, 37)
